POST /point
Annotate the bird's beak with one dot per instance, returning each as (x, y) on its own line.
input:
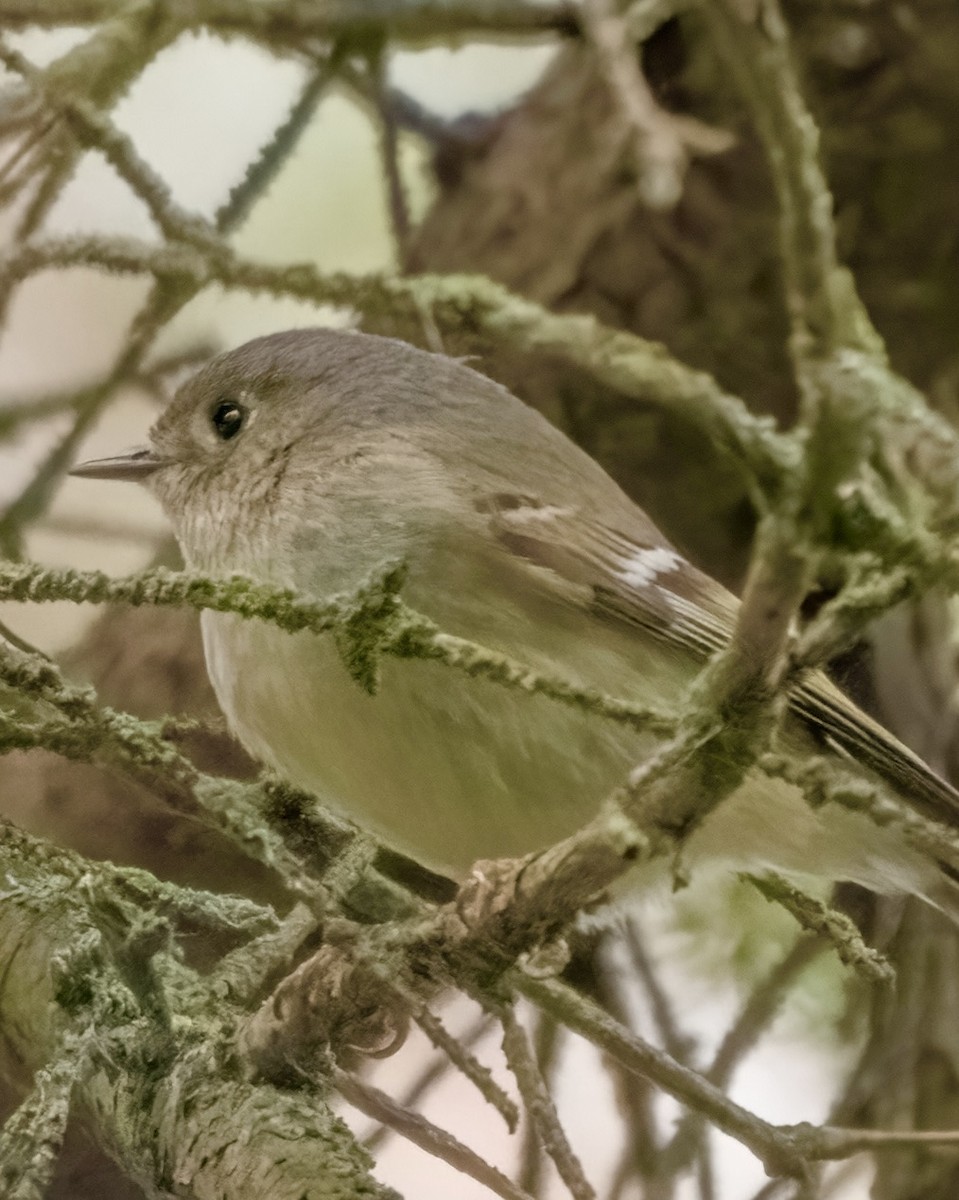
(135, 464)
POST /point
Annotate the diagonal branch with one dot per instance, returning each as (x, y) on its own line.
(423, 1133)
(478, 310)
(539, 1106)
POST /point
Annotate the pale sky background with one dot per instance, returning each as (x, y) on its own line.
(197, 115)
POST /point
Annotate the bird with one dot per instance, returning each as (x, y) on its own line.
(308, 458)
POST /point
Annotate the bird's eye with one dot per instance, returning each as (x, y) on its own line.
(228, 418)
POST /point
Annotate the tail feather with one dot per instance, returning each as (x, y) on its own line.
(832, 715)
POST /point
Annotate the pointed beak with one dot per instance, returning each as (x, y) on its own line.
(135, 464)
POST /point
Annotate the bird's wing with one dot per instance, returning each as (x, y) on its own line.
(643, 582)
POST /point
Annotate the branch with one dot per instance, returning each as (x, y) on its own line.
(539, 1106)
(162, 1098)
(824, 781)
(425, 1134)
(409, 21)
(15, 415)
(480, 311)
(81, 730)
(457, 1052)
(836, 927)
(775, 1146)
(374, 621)
(662, 141)
(675, 1042)
(783, 1149)
(855, 408)
(266, 166)
(434, 1071)
(99, 69)
(94, 130)
(825, 311)
(398, 205)
(32, 1138)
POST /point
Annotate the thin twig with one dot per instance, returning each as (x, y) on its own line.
(397, 203)
(266, 166)
(674, 1040)
(468, 1065)
(27, 144)
(94, 130)
(761, 1008)
(546, 1048)
(60, 159)
(640, 1157)
(539, 1106)
(15, 415)
(95, 73)
(433, 1072)
(826, 922)
(429, 1137)
(786, 1150)
(17, 182)
(705, 1172)
(775, 1146)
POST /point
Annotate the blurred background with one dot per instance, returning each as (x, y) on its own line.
(511, 160)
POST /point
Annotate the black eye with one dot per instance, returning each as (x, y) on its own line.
(228, 418)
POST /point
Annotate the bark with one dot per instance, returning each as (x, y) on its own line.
(150, 663)
(167, 1099)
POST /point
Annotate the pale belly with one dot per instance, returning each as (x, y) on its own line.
(444, 768)
(449, 769)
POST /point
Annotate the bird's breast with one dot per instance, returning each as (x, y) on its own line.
(450, 769)
(445, 768)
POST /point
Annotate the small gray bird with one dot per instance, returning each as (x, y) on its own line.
(306, 459)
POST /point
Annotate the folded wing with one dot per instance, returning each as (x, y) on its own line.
(639, 579)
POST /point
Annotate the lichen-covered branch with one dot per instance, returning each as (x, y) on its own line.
(152, 1088)
(374, 621)
(786, 1150)
(826, 782)
(411, 21)
(76, 727)
(32, 1138)
(477, 310)
(821, 297)
(826, 922)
